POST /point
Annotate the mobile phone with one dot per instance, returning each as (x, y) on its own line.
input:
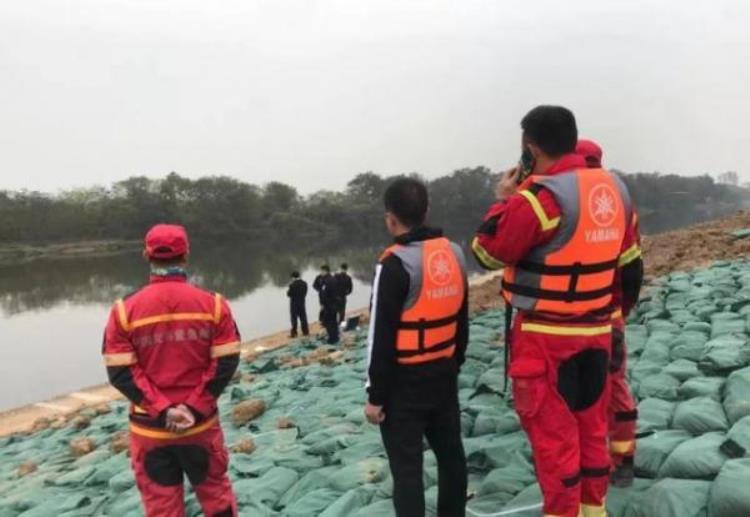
(526, 164)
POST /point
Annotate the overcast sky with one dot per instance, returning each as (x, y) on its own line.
(312, 92)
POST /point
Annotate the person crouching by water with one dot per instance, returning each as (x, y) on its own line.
(418, 336)
(297, 292)
(171, 349)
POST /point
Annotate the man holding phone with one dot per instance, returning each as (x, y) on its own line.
(557, 231)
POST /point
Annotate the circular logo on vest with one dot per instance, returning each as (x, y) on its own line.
(603, 205)
(439, 267)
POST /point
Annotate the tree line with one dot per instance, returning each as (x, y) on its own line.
(221, 208)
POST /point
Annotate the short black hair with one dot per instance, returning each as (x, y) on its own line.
(344, 266)
(552, 128)
(325, 267)
(407, 199)
(295, 274)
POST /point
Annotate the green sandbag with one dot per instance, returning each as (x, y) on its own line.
(700, 327)
(127, 503)
(267, 489)
(619, 500)
(367, 446)
(723, 323)
(312, 504)
(700, 415)
(526, 504)
(737, 395)
(661, 386)
(730, 496)
(699, 458)
(662, 325)
(682, 369)
(349, 503)
(635, 337)
(654, 414)
(500, 423)
(688, 345)
(654, 449)
(737, 444)
(368, 471)
(487, 504)
(487, 452)
(674, 498)
(702, 387)
(125, 480)
(313, 480)
(380, 508)
(725, 354)
(509, 480)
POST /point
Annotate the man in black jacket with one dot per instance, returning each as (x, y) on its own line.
(321, 280)
(344, 287)
(417, 341)
(297, 293)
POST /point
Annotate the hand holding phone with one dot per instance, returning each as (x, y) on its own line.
(508, 184)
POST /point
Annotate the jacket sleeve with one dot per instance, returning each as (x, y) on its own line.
(349, 285)
(462, 329)
(225, 357)
(511, 228)
(630, 266)
(390, 288)
(124, 372)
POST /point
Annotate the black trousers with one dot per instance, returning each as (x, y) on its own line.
(430, 411)
(298, 313)
(329, 321)
(342, 310)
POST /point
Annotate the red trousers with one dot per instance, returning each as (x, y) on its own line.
(161, 462)
(623, 413)
(561, 394)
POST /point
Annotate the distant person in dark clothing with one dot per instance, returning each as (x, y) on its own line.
(344, 286)
(297, 293)
(320, 280)
(329, 307)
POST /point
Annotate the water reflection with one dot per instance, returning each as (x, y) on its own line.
(235, 272)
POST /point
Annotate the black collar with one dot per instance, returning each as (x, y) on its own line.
(420, 233)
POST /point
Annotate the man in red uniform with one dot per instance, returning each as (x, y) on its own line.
(171, 349)
(558, 234)
(623, 412)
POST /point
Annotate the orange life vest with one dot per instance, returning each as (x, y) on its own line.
(574, 272)
(437, 285)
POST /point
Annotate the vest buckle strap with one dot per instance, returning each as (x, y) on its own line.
(425, 324)
(559, 296)
(557, 270)
(426, 350)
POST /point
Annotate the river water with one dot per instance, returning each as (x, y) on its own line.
(53, 312)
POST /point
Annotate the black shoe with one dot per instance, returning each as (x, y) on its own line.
(622, 476)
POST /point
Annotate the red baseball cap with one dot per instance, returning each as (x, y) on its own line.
(591, 151)
(167, 241)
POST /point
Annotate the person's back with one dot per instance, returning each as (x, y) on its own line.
(344, 286)
(297, 293)
(416, 346)
(171, 348)
(168, 312)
